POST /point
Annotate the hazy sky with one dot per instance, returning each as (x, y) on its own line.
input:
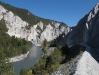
(67, 11)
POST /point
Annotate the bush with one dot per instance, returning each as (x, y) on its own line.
(47, 64)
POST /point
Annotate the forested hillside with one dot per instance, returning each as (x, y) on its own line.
(17, 21)
(26, 15)
(9, 47)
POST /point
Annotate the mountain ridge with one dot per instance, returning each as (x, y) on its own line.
(34, 29)
(85, 26)
(85, 33)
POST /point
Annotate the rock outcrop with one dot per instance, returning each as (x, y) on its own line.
(87, 29)
(85, 33)
(37, 33)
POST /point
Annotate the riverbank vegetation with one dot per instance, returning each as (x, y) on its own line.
(52, 43)
(10, 47)
(49, 64)
(68, 67)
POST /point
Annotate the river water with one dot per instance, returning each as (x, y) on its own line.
(34, 54)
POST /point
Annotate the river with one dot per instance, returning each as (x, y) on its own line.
(34, 54)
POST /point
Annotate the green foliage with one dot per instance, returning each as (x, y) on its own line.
(47, 64)
(5, 66)
(69, 67)
(23, 71)
(51, 43)
(56, 56)
(44, 44)
(38, 27)
(29, 72)
(76, 50)
(54, 60)
(26, 15)
(12, 46)
(9, 47)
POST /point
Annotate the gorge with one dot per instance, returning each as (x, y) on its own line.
(22, 24)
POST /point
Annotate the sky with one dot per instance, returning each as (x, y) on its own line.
(67, 11)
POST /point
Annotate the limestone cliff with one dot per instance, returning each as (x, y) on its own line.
(87, 29)
(36, 33)
(86, 33)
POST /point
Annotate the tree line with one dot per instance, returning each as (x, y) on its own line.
(10, 47)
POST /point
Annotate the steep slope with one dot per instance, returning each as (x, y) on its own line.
(89, 63)
(86, 33)
(23, 24)
(87, 29)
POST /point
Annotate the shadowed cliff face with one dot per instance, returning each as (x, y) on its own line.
(87, 29)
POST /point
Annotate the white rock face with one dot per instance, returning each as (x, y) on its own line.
(17, 27)
(40, 24)
(87, 28)
(2, 12)
(87, 65)
(49, 33)
(18, 58)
